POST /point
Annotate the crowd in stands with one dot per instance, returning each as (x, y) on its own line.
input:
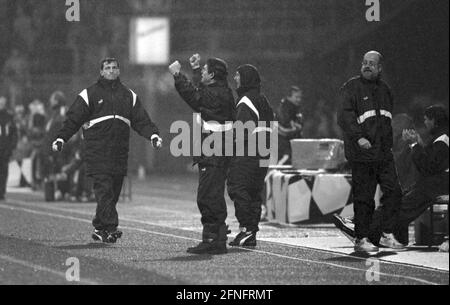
(37, 126)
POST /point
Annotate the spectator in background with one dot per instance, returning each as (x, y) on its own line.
(23, 148)
(8, 141)
(53, 161)
(290, 123)
(36, 133)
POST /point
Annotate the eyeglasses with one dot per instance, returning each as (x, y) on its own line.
(369, 63)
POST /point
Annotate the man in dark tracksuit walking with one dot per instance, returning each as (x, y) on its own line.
(8, 142)
(209, 95)
(107, 110)
(365, 118)
(246, 177)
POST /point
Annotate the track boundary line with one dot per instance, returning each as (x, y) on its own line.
(276, 243)
(42, 268)
(251, 250)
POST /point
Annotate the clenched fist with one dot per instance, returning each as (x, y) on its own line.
(156, 141)
(175, 68)
(195, 61)
(58, 144)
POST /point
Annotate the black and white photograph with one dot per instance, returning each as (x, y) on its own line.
(224, 151)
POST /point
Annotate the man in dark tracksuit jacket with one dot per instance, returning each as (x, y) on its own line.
(365, 118)
(8, 142)
(431, 161)
(290, 123)
(209, 95)
(107, 110)
(246, 177)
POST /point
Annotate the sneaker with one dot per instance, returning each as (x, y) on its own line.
(244, 239)
(388, 240)
(364, 245)
(444, 246)
(113, 236)
(346, 227)
(101, 235)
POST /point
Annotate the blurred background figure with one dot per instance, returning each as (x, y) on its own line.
(290, 123)
(8, 141)
(16, 75)
(36, 132)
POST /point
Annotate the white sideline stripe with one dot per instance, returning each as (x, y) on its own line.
(85, 97)
(217, 127)
(443, 138)
(251, 250)
(108, 117)
(249, 104)
(372, 113)
(42, 268)
(192, 229)
(134, 97)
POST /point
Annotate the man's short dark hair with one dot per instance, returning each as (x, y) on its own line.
(108, 60)
(438, 114)
(218, 67)
(294, 89)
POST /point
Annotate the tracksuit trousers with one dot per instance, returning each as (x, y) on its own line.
(107, 190)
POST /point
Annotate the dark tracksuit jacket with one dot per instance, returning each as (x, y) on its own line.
(106, 111)
(246, 177)
(285, 113)
(215, 103)
(431, 162)
(366, 112)
(8, 142)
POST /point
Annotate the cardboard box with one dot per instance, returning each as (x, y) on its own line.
(317, 153)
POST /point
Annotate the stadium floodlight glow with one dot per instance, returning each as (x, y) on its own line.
(149, 40)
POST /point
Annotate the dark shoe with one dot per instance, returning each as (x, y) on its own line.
(100, 235)
(244, 239)
(364, 245)
(202, 248)
(218, 247)
(345, 226)
(388, 240)
(113, 236)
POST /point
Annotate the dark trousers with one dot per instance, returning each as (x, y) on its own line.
(284, 148)
(245, 185)
(107, 191)
(210, 196)
(365, 177)
(4, 164)
(417, 200)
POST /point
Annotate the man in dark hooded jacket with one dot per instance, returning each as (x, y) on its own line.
(246, 176)
(209, 95)
(107, 110)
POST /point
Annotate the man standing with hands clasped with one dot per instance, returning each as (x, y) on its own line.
(365, 117)
(107, 110)
(210, 95)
